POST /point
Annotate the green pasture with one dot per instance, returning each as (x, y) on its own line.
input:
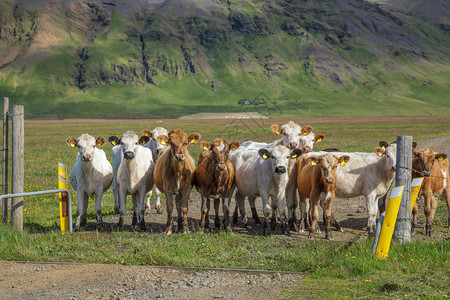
(342, 269)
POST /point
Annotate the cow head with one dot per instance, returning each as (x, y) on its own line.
(129, 143)
(220, 149)
(153, 135)
(425, 160)
(328, 164)
(279, 156)
(290, 134)
(308, 139)
(86, 145)
(178, 141)
(390, 154)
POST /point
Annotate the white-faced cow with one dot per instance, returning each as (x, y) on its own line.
(174, 173)
(317, 180)
(434, 167)
(91, 175)
(263, 173)
(134, 176)
(214, 178)
(155, 147)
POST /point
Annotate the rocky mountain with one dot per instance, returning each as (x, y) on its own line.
(167, 58)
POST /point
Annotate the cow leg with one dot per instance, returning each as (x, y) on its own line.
(235, 215)
(434, 202)
(216, 213)
(327, 216)
(428, 199)
(266, 211)
(226, 215)
(115, 190)
(84, 213)
(334, 222)
(184, 208)
(158, 201)
(273, 221)
(204, 214)
(414, 219)
(98, 209)
(314, 214)
(255, 217)
(178, 199)
(241, 204)
(147, 204)
(281, 211)
(291, 199)
(80, 200)
(134, 222)
(303, 215)
(169, 208)
(122, 197)
(372, 210)
(142, 211)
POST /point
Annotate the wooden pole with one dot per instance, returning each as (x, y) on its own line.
(5, 158)
(403, 177)
(17, 165)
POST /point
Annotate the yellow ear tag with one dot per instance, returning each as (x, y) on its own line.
(277, 132)
(380, 154)
(319, 140)
(265, 156)
(205, 148)
(305, 133)
(99, 144)
(343, 163)
(193, 141)
(384, 148)
(163, 143)
(72, 145)
(313, 163)
(233, 149)
(294, 156)
(113, 143)
(440, 158)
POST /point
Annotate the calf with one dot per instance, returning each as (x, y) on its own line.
(434, 167)
(214, 177)
(155, 147)
(91, 175)
(263, 173)
(134, 175)
(317, 180)
(174, 173)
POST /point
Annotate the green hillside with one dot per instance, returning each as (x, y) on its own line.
(163, 59)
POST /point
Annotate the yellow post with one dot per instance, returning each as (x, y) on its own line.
(387, 229)
(63, 200)
(415, 188)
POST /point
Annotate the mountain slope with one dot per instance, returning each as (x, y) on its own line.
(171, 58)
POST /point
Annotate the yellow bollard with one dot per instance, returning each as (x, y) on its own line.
(387, 229)
(415, 188)
(63, 200)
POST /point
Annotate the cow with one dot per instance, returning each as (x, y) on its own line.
(214, 177)
(366, 174)
(134, 175)
(263, 173)
(155, 147)
(293, 136)
(91, 175)
(317, 180)
(174, 173)
(434, 167)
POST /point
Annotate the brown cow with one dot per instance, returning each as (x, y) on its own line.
(174, 172)
(317, 181)
(434, 167)
(214, 177)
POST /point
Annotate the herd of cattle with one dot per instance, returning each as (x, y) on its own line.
(286, 171)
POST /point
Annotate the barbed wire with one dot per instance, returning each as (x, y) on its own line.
(421, 172)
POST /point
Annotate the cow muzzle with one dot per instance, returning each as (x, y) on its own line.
(86, 157)
(426, 173)
(280, 170)
(292, 145)
(179, 157)
(329, 180)
(394, 168)
(306, 149)
(128, 155)
(221, 167)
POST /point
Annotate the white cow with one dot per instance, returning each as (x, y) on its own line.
(263, 173)
(135, 175)
(91, 175)
(366, 174)
(155, 147)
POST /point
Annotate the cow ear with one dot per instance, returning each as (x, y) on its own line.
(306, 130)
(114, 140)
(414, 144)
(343, 160)
(143, 140)
(71, 142)
(162, 139)
(276, 129)
(193, 138)
(147, 132)
(100, 141)
(415, 153)
(296, 153)
(234, 146)
(383, 144)
(378, 151)
(441, 156)
(313, 160)
(318, 138)
(264, 153)
(205, 145)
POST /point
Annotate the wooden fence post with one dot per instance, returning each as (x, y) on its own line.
(402, 231)
(17, 165)
(5, 158)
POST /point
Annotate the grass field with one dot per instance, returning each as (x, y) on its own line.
(344, 270)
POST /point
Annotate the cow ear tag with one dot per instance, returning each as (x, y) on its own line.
(233, 149)
(72, 145)
(313, 163)
(440, 158)
(294, 156)
(380, 154)
(113, 143)
(163, 143)
(99, 144)
(384, 148)
(343, 163)
(265, 156)
(305, 133)
(193, 141)
(277, 132)
(205, 148)
(319, 140)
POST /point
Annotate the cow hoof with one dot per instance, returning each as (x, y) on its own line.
(143, 227)
(168, 231)
(77, 228)
(185, 231)
(100, 226)
(228, 229)
(310, 235)
(159, 210)
(116, 210)
(257, 220)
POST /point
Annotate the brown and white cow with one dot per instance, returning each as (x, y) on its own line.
(434, 167)
(214, 177)
(317, 180)
(174, 173)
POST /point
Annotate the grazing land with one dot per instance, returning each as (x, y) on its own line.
(343, 267)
